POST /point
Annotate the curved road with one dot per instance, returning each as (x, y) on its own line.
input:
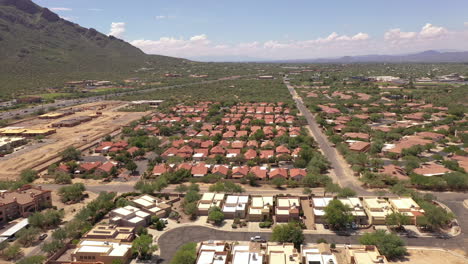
(170, 241)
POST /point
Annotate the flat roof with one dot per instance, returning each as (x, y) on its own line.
(14, 229)
(94, 249)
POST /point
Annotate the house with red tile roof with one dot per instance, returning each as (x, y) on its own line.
(250, 154)
(431, 169)
(88, 166)
(185, 166)
(105, 168)
(354, 135)
(207, 144)
(159, 169)
(239, 172)
(278, 173)
(359, 146)
(200, 170)
(132, 150)
(217, 150)
(224, 143)
(238, 144)
(232, 153)
(178, 143)
(297, 174)
(252, 144)
(267, 143)
(259, 172)
(63, 168)
(394, 171)
(221, 170)
(170, 152)
(430, 135)
(266, 154)
(282, 150)
(200, 154)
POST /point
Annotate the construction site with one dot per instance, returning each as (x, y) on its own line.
(53, 133)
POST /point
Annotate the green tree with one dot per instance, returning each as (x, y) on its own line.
(389, 245)
(131, 166)
(397, 219)
(337, 214)
(28, 175)
(13, 252)
(27, 236)
(72, 193)
(191, 209)
(346, 192)
(331, 188)
(187, 254)
(70, 153)
(290, 232)
(437, 217)
(61, 177)
(143, 246)
(32, 260)
(216, 215)
(51, 247)
(278, 182)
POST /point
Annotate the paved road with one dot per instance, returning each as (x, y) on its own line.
(71, 102)
(338, 171)
(170, 241)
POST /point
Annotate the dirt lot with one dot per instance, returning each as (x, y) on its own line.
(432, 256)
(80, 136)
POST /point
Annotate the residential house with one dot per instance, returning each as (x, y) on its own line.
(260, 208)
(208, 201)
(235, 206)
(377, 210)
(287, 209)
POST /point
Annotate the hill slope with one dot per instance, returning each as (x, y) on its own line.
(38, 48)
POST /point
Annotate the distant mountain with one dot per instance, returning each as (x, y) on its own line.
(429, 56)
(38, 48)
(227, 59)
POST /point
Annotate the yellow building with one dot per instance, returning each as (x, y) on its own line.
(209, 200)
(279, 253)
(362, 254)
(260, 208)
(102, 251)
(406, 206)
(377, 210)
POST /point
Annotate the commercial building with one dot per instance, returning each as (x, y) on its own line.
(364, 255)
(406, 206)
(153, 205)
(209, 200)
(282, 254)
(101, 251)
(235, 206)
(129, 216)
(377, 210)
(9, 143)
(260, 208)
(317, 254)
(287, 209)
(23, 202)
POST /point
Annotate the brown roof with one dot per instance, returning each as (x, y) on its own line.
(394, 171)
(431, 169)
(360, 146)
(259, 172)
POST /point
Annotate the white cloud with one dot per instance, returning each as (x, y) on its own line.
(431, 31)
(55, 9)
(117, 29)
(161, 17)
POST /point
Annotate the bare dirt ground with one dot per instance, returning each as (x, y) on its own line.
(418, 256)
(79, 136)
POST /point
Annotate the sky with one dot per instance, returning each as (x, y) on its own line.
(259, 29)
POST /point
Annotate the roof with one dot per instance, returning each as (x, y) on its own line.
(431, 170)
(14, 229)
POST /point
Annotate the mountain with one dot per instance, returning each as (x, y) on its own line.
(39, 48)
(429, 56)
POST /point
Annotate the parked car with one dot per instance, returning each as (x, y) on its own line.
(326, 226)
(43, 236)
(354, 226)
(164, 220)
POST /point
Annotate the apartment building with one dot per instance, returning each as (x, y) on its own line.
(23, 202)
(235, 206)
(377, 210)
(209, 200)
(260, 208)
(287, 209)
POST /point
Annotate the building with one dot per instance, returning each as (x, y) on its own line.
(101, 251)
(287, 209)
(260, 208)
(129, 216)
(357, 209)
(431, 169)
(111, 233)
(282, 254)
(319, 205)
(153, 205)
(406, 206)
(9, 143)
(209, 200)
(377, 210)
(23, 202)
(363, 254)
(359, 146)
(252, 253)
(235, 206)
(317, 254)
(213, 252)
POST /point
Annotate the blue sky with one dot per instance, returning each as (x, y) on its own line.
(274, 29)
